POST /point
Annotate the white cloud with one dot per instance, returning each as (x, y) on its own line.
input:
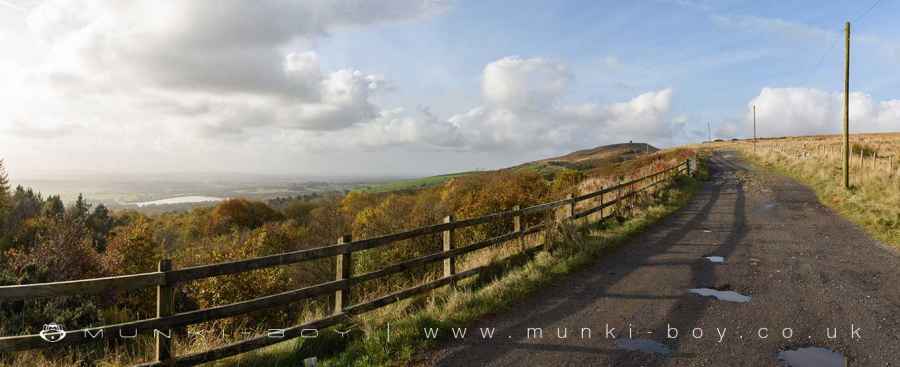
(216, 67)
(808, 111)
(513, 82)
(199, 78)
(523, 110)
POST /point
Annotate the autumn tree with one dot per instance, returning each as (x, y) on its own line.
(268, 239)
(241, 213)
(133, 249)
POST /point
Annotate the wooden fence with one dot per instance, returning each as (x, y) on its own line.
(166, 278)
(866, 160)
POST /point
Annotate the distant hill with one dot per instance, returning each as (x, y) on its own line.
(599, 158)
(623, 150)
(589, 159)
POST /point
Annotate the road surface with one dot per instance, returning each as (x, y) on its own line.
(809, 273)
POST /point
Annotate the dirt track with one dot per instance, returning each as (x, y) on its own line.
(805, 268)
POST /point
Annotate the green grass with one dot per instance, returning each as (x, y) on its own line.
(472, 299)
(871, 202)
(411, 184)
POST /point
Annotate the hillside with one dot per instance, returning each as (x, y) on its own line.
(602, 159)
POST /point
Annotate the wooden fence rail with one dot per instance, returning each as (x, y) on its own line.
(165, 279)
(872, 162)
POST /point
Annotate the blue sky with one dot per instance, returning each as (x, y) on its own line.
(421, 86)
(714, 68)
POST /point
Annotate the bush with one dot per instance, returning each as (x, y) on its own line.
(272, 238)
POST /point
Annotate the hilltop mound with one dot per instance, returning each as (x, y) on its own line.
(588, 159)
(619, 152)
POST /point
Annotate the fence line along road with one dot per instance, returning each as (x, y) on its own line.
(866, 160)
(165, 279)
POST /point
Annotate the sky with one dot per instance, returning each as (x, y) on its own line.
(418, 87)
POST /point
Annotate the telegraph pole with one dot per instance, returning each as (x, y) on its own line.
(709, 132)
(847, 106)
(754, 129)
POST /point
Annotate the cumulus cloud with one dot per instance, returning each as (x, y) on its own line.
(523, 109)
(153, 76)
(517, 83)
(808, 111)
(220, 66)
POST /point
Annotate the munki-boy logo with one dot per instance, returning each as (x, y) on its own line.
(52, 333)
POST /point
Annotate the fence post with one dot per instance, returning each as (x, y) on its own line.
(517, 227)
(343, 271)
(632, 199)
(861, 159)
(165, 306)
(618, 202)
(601, 202)
(571, 206)
(549, 219)
(891, 167)
(450, 262)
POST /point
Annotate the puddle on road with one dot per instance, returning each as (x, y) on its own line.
(715, 259)
(643, 345)
(811, 357)
(728, 296)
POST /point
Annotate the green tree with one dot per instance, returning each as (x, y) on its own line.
(5, 207)
(79, 211)
(53, 207)
(4, 191)
(20, 228)
(100, 223)
(299, 210)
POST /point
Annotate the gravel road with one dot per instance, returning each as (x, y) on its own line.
(810, 275)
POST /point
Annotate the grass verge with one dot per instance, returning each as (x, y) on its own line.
(575, 246)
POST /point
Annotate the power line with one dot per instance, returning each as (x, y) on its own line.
(837, 39)
(863, 15)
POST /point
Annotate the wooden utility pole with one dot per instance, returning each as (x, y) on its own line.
(847, 106)
(709, 132)
(754, 129)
